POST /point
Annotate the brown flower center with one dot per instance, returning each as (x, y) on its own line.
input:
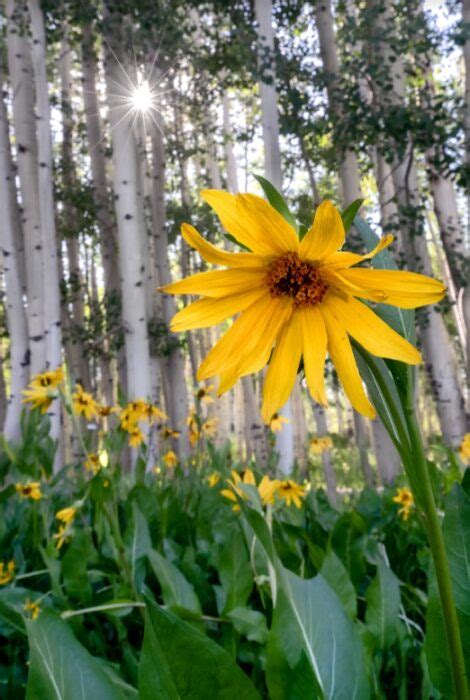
(296, 278)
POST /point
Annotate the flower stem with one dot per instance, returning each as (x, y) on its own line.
(436, 542)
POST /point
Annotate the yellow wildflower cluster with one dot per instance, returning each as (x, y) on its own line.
(30, 490)
(168, 433)
(405, 498)
(7, 572)
(204, 394)
(170, 459)
(136, 411)
(276, 422)
(31, 608)
(464, 449)
(267, 488)
(66, 517)
(84, 404)
(213, 479)
(95, 462)
(198, 430)
(42, 389)
(318, 445)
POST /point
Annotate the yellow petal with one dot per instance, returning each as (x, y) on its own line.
(408, 290)
(283, 367)
(370, 331)
(325, 236)
(210, 312)
(215, 255)
(249, 477)
(343, 359)
(253, 222)
(314, 341)
(336, 280)
(256, 355)
(218, 283)
(342, 260)
(239, 338)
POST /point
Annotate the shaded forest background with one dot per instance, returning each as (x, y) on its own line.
(115, 115)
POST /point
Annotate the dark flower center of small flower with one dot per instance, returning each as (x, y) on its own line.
(296, 278)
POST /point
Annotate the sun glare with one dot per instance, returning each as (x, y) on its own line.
(142, 97)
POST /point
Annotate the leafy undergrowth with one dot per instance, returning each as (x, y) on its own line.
(154, 586)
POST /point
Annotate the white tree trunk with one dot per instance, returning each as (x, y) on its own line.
(387, 457)
(273, 172)
(101, 197)
(362, 442)
(173, 362)
(52, 319)
(466, 293)
(130, 227)
(328, 470)
(15, 311)
(24, 122)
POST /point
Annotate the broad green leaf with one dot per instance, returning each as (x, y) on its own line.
(383, 606)
(348, 541)
(250, 623)
(139, 544)
(336, 576)
(60, 667)
(313, 643)
(456, 530)
(11, 603)
(277, 201)
(74, 566)
(177, 592)
(234, 570)
(177, 661)
(350, 212)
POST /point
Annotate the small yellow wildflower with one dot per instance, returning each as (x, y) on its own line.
(66, 515)
(62, 536)
(170, 459)
(136, 436)
(30, 490)
(93, 463)
(38, 398)
(153, 414)
(41, 389)
(167, 433)
(318, 445)
(464, 449)
(32, 608)
(7, 572)
(209, 427)
(291, 492)
(47, 380)
(84, 404)
(193, 427)
(405, 498)
(277, 422)
(234, 484)
(213, 479)
(104, 411)
(267, 489)
(204, 394)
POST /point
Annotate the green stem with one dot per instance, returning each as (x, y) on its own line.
(403, 443)
(425, 498)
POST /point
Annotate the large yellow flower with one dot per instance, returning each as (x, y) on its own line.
(298, 296)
